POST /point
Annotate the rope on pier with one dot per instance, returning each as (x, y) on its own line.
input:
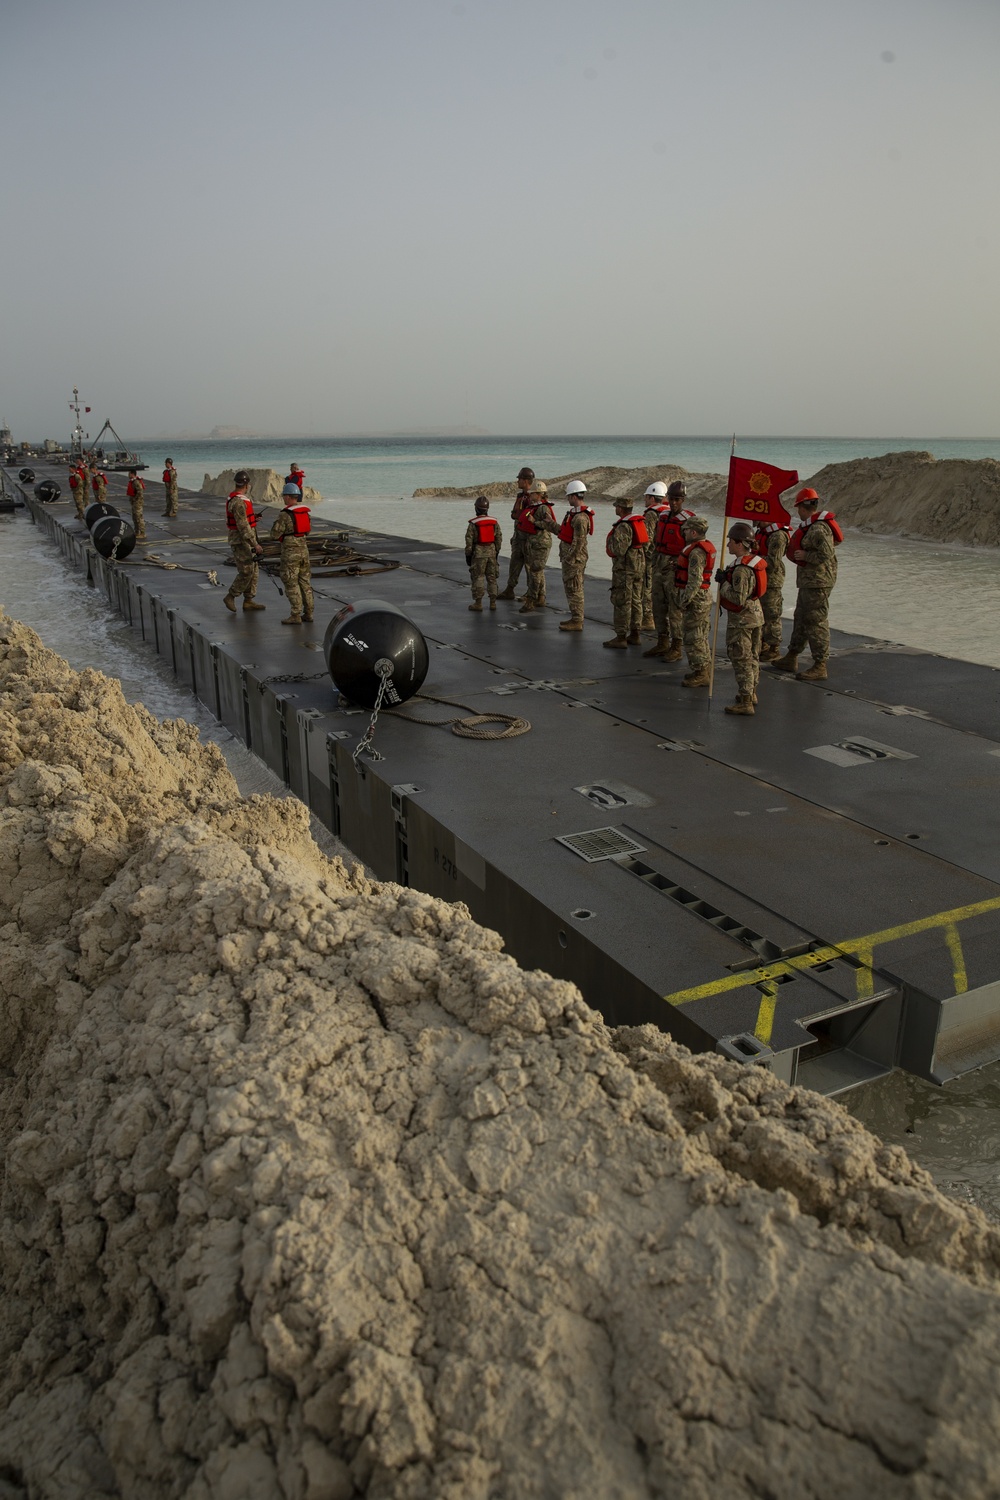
(473, 726)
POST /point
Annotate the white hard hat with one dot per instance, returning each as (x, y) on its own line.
(576, 487)
(658, 489)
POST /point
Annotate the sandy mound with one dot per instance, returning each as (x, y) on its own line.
(310, 1192)
(916, 494)
(265, 487)
(602, 484)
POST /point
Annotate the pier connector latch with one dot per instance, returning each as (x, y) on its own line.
(745, 1048)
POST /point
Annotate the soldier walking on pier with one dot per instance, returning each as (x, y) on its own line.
(135, 490)
(813, 550)
(692, 580)
(626, 546)
(292, 526)
(170, 485)
(525, 479)
(482, 548)
(241, 522)
(741, 588)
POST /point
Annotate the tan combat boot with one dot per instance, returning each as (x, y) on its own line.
(816, 673)
(632, 639)
(786, 663)
(493, 603)
(477, 606)
(770, 653)
(293, 620)
(526, 609)
(618, 644)
(662, 645)
(252, 604)
(507, 593)
(696, 679)
(674, 652)
(648, 623)
(570, 624)
(307, 619)
(743, 705)
(230, 602)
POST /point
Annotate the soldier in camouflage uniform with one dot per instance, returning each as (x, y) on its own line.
(656, 502)
(246, 548)
(740, 597)
(135, 489)
(537, 545)
(99, 485)
(812, 549)
(291, 529)
(525, 479)
(771, 545)
(692, 580)
(483, 540)
(170, 485)
(626, 546)
(577, 525)
(79, 490)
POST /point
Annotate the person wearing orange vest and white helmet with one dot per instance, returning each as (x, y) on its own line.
(741, 587)
(291, 528)
(692, 580)
(241, 523)
(813, 550)
(668, 543)
(626, 546)
(656, 505)
(483, 540)
(536, 523)
(576, 526)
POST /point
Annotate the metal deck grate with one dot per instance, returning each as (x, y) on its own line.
(601, 843)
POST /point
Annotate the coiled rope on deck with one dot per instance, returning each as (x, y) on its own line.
(473, 726)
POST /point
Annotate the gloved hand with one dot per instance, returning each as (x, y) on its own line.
(720, 575)
(468, 559)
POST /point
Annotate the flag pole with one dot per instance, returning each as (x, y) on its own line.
(718, 591)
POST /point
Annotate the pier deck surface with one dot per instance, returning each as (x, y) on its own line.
(753, 855)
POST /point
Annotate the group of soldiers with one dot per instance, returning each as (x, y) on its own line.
(85, 474)
(662, 571)
(291, 528)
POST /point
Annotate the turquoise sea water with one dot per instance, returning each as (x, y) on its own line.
(388, 468)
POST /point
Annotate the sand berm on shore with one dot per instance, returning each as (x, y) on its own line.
(310, 1192)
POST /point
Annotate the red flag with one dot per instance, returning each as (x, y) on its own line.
(86, 408)
(753, 490)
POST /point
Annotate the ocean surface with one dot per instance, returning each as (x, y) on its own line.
(392, 468)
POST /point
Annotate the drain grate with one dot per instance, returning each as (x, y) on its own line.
(721, 920)
(601, 843)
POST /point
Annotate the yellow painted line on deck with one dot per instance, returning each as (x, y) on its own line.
(859, 947)
(765, 1014)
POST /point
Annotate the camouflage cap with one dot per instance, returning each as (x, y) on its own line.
(696, 523)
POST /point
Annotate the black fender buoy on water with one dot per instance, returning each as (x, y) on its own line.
(95, 511)
(26, 476)
(47, 490)
(371, 642)
(113, 536)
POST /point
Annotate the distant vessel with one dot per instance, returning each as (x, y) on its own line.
(119, 460)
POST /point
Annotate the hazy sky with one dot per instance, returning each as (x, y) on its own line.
(536, 216)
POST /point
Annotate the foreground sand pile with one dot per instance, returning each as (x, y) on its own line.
(915, 494)
(605, 483)
(310, 1192)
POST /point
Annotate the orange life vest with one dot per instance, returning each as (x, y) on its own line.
(566, 529)
(681, 568)
(526, 520)
(759, 567)
(251, 517)
(798, 536)
(652, 515)
(486, 530)
(169, 476)
(763, 535)
(301, 519)
(74, 479)
(640, 536)
(669, 536)
(134, 488)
